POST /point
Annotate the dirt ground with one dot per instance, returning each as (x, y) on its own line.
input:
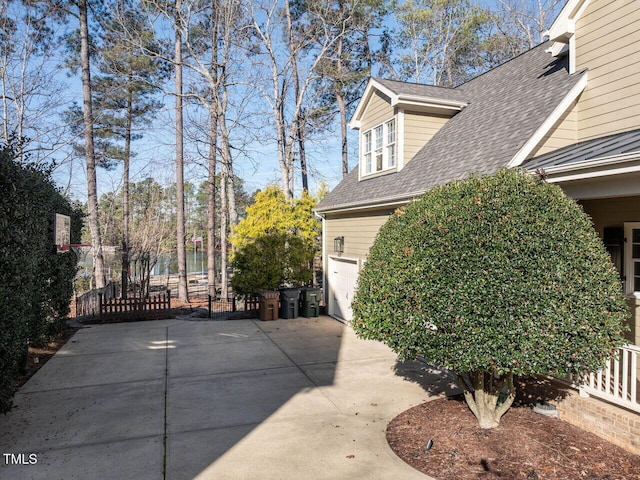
(526, 445)
(38, 356)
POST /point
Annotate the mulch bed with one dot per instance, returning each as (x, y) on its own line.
(526, 445)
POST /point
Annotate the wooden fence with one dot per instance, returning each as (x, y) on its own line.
(135, 308)
(88, 304)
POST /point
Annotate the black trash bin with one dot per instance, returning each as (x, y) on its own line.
(310, 302)
(289, 298)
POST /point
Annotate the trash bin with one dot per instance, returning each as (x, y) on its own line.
(310, 302)
(268, 305)
(289, 298)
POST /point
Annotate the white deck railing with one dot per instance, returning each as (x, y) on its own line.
(618, 381)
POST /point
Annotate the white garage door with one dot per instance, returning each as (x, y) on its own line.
(343, 276)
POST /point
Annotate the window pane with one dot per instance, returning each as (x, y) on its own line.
(378, 137)
(635, 235)
(636, 284)
(391, 155)
(391, 132)
(379, 161)
(367, 163)
(367, 141)
(635, 251)
(636, 269)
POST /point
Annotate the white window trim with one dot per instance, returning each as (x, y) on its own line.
(628, 260)
(371, 169)
(367, 152)
(393, 143)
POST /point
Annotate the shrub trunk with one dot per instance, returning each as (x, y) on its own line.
(487, 395)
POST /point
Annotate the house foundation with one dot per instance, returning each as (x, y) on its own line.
(614, 424)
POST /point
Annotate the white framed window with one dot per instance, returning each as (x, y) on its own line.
(366, 148)
(391, 142)
(379, 148)
(632, 258)
(379, 133)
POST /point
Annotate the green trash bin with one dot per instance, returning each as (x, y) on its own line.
(310, 302)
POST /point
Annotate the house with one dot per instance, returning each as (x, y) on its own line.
(568, 109)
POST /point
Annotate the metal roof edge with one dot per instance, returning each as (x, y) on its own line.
(373, 205)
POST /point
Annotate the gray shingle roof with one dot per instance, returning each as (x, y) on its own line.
(609, 146)
(506, 106)
(421, 90)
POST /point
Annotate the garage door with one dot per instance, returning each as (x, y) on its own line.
(343, 276)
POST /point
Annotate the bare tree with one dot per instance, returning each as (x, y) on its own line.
(125, 98)
(524, 21)
(291, 49)
(183, 293)
(347, 66)
(92, 181)
(216, 30)
(438, 42)
(28, 43)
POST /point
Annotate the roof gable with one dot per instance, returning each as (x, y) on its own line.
(426, 98)
(506, 107)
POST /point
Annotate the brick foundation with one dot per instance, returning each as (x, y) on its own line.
(616, 425)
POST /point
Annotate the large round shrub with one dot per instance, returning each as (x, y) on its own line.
(491, 277)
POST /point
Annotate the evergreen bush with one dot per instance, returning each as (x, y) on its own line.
(36, 284)
(492, 277)
(275, 244)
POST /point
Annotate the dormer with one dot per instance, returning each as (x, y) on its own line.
(396, 119)
(601, 37)
(563, 31)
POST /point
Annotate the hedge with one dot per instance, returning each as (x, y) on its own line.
(36, 283)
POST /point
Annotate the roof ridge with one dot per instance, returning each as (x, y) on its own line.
(381, 79)
(529, 50)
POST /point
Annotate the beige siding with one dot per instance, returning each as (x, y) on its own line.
(561, 135)
(614, 212)
(418, 130)
(359, 232)
(607, 44)
(378, 110)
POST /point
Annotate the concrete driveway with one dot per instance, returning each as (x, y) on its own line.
(238, 399)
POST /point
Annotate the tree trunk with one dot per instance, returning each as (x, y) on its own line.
(342, 108)
(224, 242)
(213, 147)
(488, 397)
(183, 293)
(92, 182)
(211, 202)
(302, 153)
(343, 132)
(125, 193)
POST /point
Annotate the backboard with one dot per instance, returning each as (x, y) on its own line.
(61, 230)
